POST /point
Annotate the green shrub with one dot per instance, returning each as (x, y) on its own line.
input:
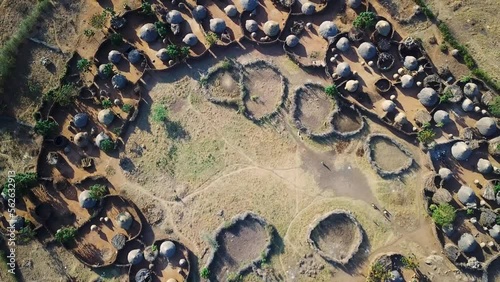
(66, 234)
(106, 103)
(439, 124)
(83, 65)
(443, 47)
(425, 9)
(445, 97)
(107, 145)
(88, 33)
(496, 188)
(22, 182)
(432, 207)
(426, 135)
(116, 39)
(126, 108)
(154, 248)
(494, 107)
(159, 113)
(470, 212)
(211, 38)
(226, 64)
(205, 273)
(161, 28)
(410, 262)
(379, 273)
(146, 8)
(331, 90)
(63, 95)
(365, 20)
(444, 214)
(176, 52)
(234, 277)
(108, 69)
(45, 127)
(26, 233)
(98, 20)
(465, 79)
(98, 191)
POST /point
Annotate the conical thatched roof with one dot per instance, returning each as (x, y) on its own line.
(445, 173)
(401, 118)
(455, 91)
(442, 196)
(81, 119)
(85, 200)
(291, 40)
(471, 90)
(383, 27)
(343, 44)
(124, 220)
(407, 81)
(422, 117)
(114, 56)
(343, 69)
(353, 3)
(452, 252)
(441, 116)
(367, 50)
(162, 54)
(249, 5)
(167, 249)
(487, 217)
(81, 139)
(199, 12)
(428, 97)
(467, 243)
(135, 256)
(217, 25)
(487, 126)
(410, 63)
(484, 166)
(489, 191)
(430, 184)
(148, 33)
(251, 25)
(105, 116)
(143, 275)
(495, 232)
(388, 106)
(327, 29)
(467, 105)
(352, 85)
(174, 17)
(308, 8)
(190, 39)
(466, 195)
(271, 28)
(100, 137)
(119, 81)
(230, 10)
(494, 146)
(134, 56)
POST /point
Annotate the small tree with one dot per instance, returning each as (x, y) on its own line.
(66, 235)
(205, 273)
(445, 97)
(64, 95)
(27, 233)
(116, 39)
(126, 108)
(108, 69)
(444, 214)
(106, 103)
(159, 113)
(426, 135)
(45, 127)
(365, 20)
(97, 191)
(83, 65)
(494, 107)
(107, 145)
(211, 38)
(98, 20)
(410, 262)
(176, 52)
(88, 33)
(21, 182)
(161, 28)
(378, 273)
(146, 8)
(331, 90)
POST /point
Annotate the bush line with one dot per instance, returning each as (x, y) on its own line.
(464, 52)
(9, 51)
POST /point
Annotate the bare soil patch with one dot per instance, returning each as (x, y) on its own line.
(387, 155)
(224, 84)
(347, 120)
(315, 109)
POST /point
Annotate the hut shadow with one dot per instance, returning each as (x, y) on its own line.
(65, 168)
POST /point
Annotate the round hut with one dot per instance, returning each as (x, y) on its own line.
(81, 139)
(230, 11)
(135, 256)
(343, 70)
(271, 28)
(291, 40)
(134, 56)
(495, 232)
(428, 97)
(85, 200)
(484, 166)
(199, 13)
(148, 33)
(354, 3)
(162, 54)
(190, 39)
(383, 27)
(401, 118)
(442, 196)
(80, 120)
(249, 5)
(167, 249)
(461, 151)
(119, 81)
(407, 81)
(327, 29)
(105, 116)
(100, 137)
(114, 56)
(466, 195)
(442, 117)
(487, 126)
(467, 105)
(388, 106)
(251, 26)
(124, 220)
(352, 86)
(367, 50)
(467, 243)
(174, 17)
(217, 25)
(471, 90)
(445, 173)
(410, 63)
(343, 44)
(308, 8)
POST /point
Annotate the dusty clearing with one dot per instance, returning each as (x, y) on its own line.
(387, 155)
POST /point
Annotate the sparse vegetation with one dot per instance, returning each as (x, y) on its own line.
(365, 20)
(234, 277)
(98, 20)
(444, 214)
(205, 273)
(23, 183)
(443, 47)
(66, 235)
(378, 273)
(176, 52)
(88, 33)
(116, 39)
(146, 8)
(107, 145)
(161, 28)
(154, 248)
(439, 124)
(425, 9)
(331, 90)
(470, 212)
(496, 188)
(211, 38)
(494, 107)
(410, 262)
(45, 127)
(26, 233)
(226, 64)
(63, 95)
(97, 191)
(83, 65)
(159, 113)
(445, 97)
(126, 108)
(426, 135)
(108, 69)
(106, 103)
(465, 79)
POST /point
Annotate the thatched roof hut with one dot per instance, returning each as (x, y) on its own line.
(495, 232)
(467, 243)
(271, 28)
(199, 12)
(367, 50)
(119, 81)
(249, 5)
(124, 220)
(352, 85)
(134, 56)
(445, 173)
(343, 70)
(291, 40)
(410, 63)
(81, 119)
(471, 90)
(114, 56)
(230, 11)
(81, 139)
(148, 33)
(308, 8)
(105, 116)
(484, 166)
(461, 151)
(494, 146)
(353, 3)
(327, 29)
(190, 39)
(442, 196)
(422, 117)
(441, 116)
(487, 126)
(85, 200)
(167, 249)
(343, 44)
(466, 195)
(489, 191)
(430, 183)
(174, 17)
(428, 97)
(401, 118)
(388, 106)
(467, 105)
(383, 27)
(217, 25)
(135, 256)
(162, 54)
(251, 26)
(407, 81)
(100, 137)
